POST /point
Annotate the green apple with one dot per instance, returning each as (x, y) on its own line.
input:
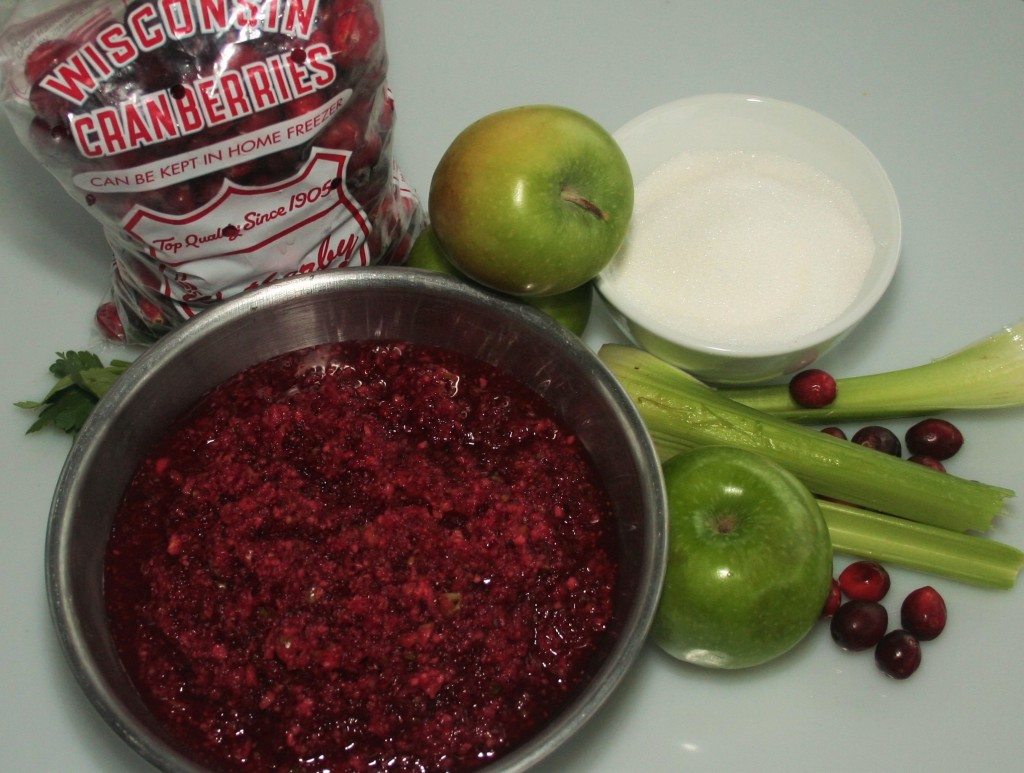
(750, 559)
(531, 201)
(571, 309)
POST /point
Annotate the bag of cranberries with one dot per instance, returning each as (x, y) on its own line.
(222, 144)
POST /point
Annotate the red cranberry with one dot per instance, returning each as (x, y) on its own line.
(859, 625)
(258, 121)
(144, 274)
(878, 438)
(302, 105)
(834, 599)
(109, 322)
(176, 199)
(864, 581)
(151, 312)
(353, 35)
(387, 115)
(238, 55)
(834, 432)
(367, 155)
(898, 654)
(343, 134)
(54, 141)
(115, 205)
(45, 57)
(934, 437)
(924, 613)
(812, 388)
(49, 106)
(165, 68)
(927, 461)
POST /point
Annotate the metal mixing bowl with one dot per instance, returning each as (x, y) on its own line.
(385, 303)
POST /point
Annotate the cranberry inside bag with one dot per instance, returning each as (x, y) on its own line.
(223, 144)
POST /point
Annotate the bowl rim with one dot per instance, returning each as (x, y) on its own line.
(73, 636)
(821, 336)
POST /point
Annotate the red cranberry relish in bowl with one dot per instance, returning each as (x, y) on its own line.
(352, 519)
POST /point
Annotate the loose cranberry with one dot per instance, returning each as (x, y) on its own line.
(898, 654)
(834, 599)
(934, 437)
(924, 613)
(864, 581)
(927, 461)
(878, 438)
(834, 432)
(859, 625)
(813, 388)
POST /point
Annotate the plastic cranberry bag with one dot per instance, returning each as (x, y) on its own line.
(222, 144)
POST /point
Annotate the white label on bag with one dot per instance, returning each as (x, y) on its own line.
(248, 236)
(213, 158)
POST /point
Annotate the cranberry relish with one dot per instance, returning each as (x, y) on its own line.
(357, 556)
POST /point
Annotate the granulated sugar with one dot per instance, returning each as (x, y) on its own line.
(741, 249)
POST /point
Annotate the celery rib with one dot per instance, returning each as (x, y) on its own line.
(986, 374)
(681, 413)
(962, 557)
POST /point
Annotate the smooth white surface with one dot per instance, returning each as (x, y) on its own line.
(933, 88)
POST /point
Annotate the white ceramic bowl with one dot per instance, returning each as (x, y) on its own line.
(731, 122)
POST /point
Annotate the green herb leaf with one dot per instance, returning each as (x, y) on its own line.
(64, 383)
(70, 411)
(70, 362)
(96, 380)
(82, 379)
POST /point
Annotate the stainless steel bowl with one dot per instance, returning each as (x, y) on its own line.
(390, 303)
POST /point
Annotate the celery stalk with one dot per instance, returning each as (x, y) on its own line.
(987, 374)
(975, 560)
(681, 412)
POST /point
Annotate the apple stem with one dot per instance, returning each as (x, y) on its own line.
(573, 197)
(726, 523)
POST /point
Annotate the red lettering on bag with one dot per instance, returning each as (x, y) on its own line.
(148, 35)
(71, 79)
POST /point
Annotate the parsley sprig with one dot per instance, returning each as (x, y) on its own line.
(82, 379)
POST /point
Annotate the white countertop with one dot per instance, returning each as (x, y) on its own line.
(934, 89)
